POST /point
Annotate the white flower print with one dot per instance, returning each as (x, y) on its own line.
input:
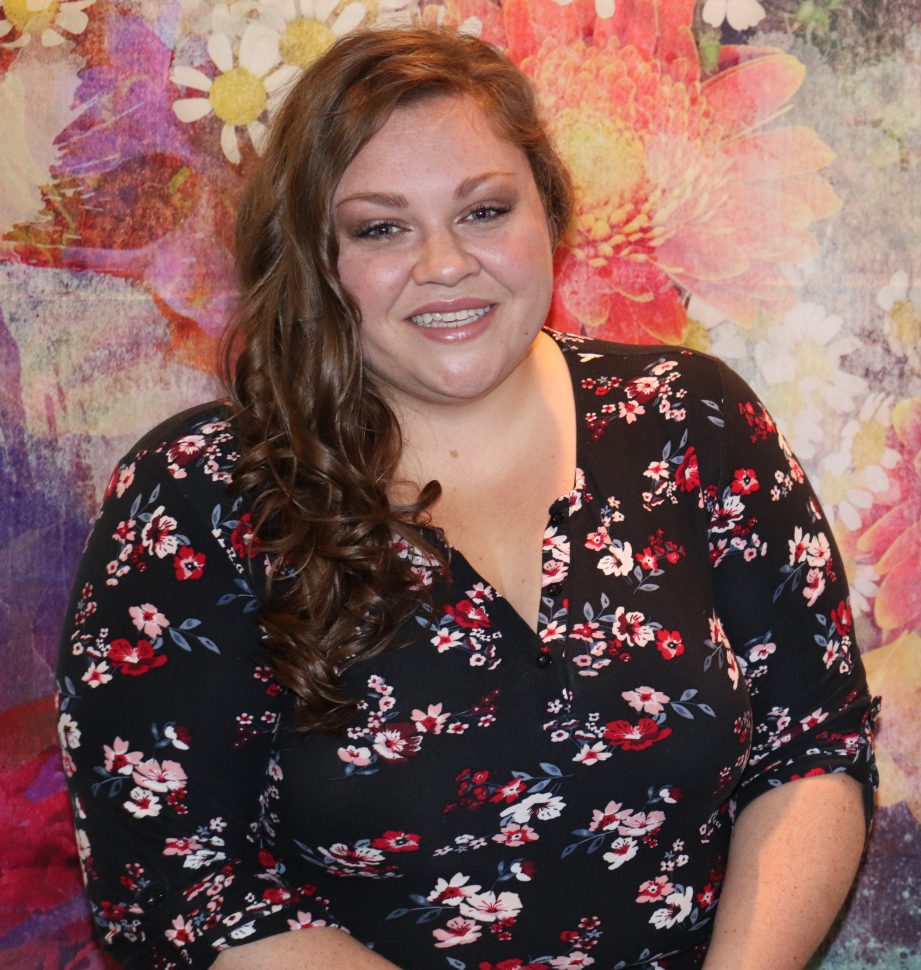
(572, 961)
(143, 804)
(158, 536)
(488, 907)
(622, 850)
(619, 561)
(304, 920)
(677, 908)
(457, 932)
(541, 806)
(68, 732)
(592, 754)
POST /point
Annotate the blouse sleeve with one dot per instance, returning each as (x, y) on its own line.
(783, 601)
(168, 718)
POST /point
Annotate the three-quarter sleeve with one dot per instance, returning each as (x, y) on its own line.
(783, 599)
(168, 716)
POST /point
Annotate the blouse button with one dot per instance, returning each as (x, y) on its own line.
(544, 660)
(554, 589)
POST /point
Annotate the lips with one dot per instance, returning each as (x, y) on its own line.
(440, 319)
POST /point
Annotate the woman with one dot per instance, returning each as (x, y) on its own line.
(335, 667)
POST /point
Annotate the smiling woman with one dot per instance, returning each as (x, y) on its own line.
(444, 611)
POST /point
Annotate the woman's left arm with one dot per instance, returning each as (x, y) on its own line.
(805, 797)
(792, 859)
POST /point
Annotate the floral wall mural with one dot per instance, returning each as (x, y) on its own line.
(747, 185)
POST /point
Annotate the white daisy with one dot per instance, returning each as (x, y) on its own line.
(741, 14)
(800, 358)
(46, 18)
(306, 28)
(901, 299)
(857, 472)
(241, 92)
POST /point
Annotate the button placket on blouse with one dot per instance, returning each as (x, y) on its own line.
(558, 516)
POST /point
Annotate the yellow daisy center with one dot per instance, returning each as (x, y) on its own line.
(30, 15)
(835, 488)
(607, 161)
(905, 324)
(238, 97)
(812, 360)
(869, 444)
(303, 41)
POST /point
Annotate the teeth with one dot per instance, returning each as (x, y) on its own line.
(456, 318)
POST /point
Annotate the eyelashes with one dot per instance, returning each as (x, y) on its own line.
(481, 213)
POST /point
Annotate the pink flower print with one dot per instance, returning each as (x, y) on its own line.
(157, 536)
(360, 757)
(515, 836)
(608, 819)
(457, 932)
(431, 721)
(181, 933)
(815, 586)
(148, 619)
(444, 639)
(641, 823)
(304, 920)
(646, 699)
(799, 546)
(124, 480)
(654, 890)
(159, 776)
(119, 759)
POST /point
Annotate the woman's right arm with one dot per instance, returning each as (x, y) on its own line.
(168, 718)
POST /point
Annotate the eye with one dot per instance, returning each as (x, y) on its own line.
(486, 212)
(381, 229)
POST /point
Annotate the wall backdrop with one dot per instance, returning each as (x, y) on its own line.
(749, 184)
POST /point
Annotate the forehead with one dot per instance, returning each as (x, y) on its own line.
(446, 137)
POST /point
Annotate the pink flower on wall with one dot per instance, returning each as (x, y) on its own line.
(683, 185)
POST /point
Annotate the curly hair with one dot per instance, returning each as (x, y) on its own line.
(320, 445)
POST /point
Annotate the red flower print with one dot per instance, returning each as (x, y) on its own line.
(669, 643)
(843, 619)
(392, 841)
(134, 660)
(186, 449)
(189, 564)
(635, 737)
(468, 615)
(688, 474)
(745, 481)
(243, 538)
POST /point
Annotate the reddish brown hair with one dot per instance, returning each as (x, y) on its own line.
(320, 446)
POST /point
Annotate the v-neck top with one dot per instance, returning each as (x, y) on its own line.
(505, 798)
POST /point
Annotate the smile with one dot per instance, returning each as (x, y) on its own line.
(456, 318)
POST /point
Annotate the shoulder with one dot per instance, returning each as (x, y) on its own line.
(590, 357)
(192, 453)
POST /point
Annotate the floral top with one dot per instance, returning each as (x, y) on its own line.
(505, 799)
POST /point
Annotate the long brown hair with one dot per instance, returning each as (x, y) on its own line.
(320, 446)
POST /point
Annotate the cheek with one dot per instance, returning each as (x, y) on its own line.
(372, 282)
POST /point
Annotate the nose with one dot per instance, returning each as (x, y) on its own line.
(444, 258)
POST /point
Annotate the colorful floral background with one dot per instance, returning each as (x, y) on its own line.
(748, 184)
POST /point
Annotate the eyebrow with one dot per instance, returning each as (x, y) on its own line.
(395, 201)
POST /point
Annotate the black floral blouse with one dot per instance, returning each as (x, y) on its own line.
(505, 799)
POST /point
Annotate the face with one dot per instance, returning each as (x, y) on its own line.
(444, 246)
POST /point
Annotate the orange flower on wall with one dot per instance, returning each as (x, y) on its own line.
(682, 184)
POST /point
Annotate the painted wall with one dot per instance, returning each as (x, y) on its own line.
(750, 184)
